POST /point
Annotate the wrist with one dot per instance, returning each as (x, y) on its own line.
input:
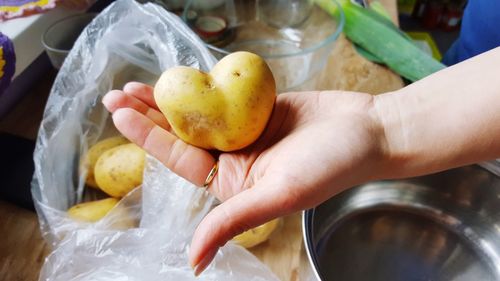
(442, 121)
(392, 142)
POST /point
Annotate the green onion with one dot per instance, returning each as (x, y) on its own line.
(382, 39)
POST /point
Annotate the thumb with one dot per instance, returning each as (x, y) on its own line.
(247, 209)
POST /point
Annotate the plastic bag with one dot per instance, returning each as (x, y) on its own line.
(147, 235)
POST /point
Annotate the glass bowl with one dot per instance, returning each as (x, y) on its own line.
(295, 37)
(59, 38)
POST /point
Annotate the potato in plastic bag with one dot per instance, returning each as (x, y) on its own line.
(147, 234)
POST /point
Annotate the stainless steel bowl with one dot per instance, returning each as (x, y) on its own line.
(444, 226)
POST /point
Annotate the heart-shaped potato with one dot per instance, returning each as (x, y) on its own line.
(226, 109)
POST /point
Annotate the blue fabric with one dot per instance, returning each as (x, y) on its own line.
(480, 31)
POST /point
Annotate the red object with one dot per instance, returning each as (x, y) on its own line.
(451, 18)
(210, 26)
(432, 15)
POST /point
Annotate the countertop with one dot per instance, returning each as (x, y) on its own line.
(22, 250)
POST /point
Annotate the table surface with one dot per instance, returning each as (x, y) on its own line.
(23, 251)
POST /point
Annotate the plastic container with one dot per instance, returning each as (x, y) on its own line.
(294, 37)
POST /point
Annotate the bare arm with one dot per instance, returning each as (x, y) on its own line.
(449, 119)
(318, 144)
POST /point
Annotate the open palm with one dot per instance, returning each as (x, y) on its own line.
(315, 145)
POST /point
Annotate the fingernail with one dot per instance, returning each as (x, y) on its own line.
(131, 87)
(205, 261)
(104, 100)
(107, 99)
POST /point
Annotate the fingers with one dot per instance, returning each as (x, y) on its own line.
(142, 92)
(250, 208)
(185, 160)
(117, 99)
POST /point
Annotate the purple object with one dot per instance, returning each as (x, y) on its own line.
(14, 2)
(7, 62)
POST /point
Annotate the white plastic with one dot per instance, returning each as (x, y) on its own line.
(147, 235)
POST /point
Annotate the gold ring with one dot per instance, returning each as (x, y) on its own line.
(211, 174)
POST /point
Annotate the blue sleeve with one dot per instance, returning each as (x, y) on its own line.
(480, 31)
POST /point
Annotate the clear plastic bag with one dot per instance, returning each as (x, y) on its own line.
(147, 235)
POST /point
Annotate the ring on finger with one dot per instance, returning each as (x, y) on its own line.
(211, 175)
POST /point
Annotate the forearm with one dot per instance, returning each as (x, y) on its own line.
(448, 119)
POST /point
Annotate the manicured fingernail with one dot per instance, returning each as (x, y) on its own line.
(204, 262)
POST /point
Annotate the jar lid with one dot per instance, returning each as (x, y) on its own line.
(210, 26)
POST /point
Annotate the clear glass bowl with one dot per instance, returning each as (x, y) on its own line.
(295, 37)
(59, 38)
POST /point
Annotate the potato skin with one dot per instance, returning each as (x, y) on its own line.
(94, 152)
(92, 211)
(257, 235)
(119, 169)
(226, 109)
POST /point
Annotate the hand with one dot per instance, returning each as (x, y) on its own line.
(315, 145)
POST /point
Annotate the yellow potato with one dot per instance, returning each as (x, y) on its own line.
(93, 154)
(92, 211)
(226, 109)
(257, 235)
(119, 169)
